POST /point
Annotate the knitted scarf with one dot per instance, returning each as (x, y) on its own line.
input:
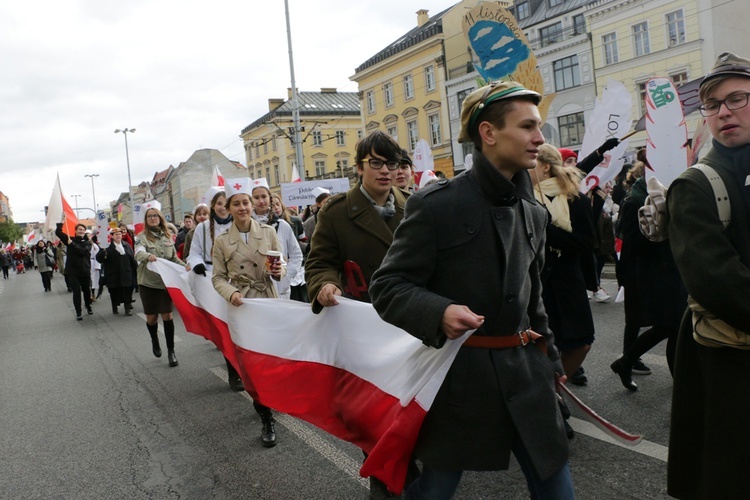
(548, 193)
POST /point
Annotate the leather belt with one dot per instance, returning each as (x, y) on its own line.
(519, 339)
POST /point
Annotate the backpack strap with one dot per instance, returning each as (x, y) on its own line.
(720, 193)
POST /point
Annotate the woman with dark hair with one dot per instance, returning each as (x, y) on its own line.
(119, 266)
(200, 214)
(78, 266)
(206, 232)
(239, 272)
(156, 241)
(45, 262)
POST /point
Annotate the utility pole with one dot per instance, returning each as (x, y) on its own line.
(295, 101)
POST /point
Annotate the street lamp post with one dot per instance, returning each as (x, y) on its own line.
(76, 196)
(93, 192)
(127, 159)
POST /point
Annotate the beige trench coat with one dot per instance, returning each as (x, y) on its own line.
(241, 267)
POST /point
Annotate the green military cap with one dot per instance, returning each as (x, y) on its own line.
(728, 64)
(478, 100)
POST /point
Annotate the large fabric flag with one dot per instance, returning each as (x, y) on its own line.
(295, 173)
(58, 207)
(666, 148)
(344, 370)
(610, 118)
(216, 178)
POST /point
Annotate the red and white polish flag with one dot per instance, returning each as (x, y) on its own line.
(344, 370)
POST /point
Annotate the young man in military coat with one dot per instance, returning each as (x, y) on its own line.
(468, 255)
(353, 232)
(709, 443)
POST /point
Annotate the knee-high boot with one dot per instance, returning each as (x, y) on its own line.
(152, 329)
(235, 382)
(268, 432)
(169, 334)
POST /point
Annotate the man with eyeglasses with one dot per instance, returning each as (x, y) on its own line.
(466, 260)
(405, 172)
(353, 232)
(709, 446)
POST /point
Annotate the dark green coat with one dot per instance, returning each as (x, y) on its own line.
(349, 228)
(709, 448)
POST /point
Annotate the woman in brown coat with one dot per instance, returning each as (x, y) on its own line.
(239, 268)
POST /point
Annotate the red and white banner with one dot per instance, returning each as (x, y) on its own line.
(344, 370)
(216, 178)
(59, 210)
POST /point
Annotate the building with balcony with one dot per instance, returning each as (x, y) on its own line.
(331, 126)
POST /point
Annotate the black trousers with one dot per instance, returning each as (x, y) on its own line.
(5, 271)
(47, 280)
(80, 283)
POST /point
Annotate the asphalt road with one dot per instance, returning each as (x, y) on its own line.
(88, 412)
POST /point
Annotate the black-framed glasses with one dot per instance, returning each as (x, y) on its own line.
(734, 101)
(152, 216)
(377, 164)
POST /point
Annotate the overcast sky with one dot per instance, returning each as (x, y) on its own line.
(186, 74)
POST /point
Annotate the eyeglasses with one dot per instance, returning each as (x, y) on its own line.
(377, 164)
(152, 216)
(732, 102)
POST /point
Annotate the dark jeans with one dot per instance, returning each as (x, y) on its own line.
(80, 283)
(436, 484)
(5, 271)
(47, 280)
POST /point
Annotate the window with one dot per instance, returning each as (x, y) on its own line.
(640, 39)
(249, 149)
(609, 45)
(257, 149)
(676, 27)
(555, 3)
(579, 24)
(550, 34)
(642, 97)
(567, 73)
(393, 132)
(268, 173)
(679, 79)
(572, 129)
(265, 147)
(413, 133)
(388, 91)
(434, 121)
(317, 138)
(370, 101)
(320, 168)
(522, 11)
(408, 87)
(273, 143)
(340, 138)
(276, 174)
(429, 78)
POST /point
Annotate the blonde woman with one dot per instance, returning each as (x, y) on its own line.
(239, 268)
(569, 234)
(156, 241)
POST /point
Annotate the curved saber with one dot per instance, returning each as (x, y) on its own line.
(605, 426)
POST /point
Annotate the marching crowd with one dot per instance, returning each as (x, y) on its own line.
(510, 251)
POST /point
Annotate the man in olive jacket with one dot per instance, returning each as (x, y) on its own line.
(468, 255)
(709, 446)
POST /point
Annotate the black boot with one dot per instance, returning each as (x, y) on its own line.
(268, 433)
(235, 382)
(623, 367)
(152, 329)
(169, 335)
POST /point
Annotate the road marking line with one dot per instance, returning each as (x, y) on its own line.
(338, 458)
(645, 447)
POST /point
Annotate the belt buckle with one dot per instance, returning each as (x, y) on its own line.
(520, 337)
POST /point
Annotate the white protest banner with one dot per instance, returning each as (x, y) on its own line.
(296, 194)
(610, 118)
(423, 157)
(666, 147)
(102, 229)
